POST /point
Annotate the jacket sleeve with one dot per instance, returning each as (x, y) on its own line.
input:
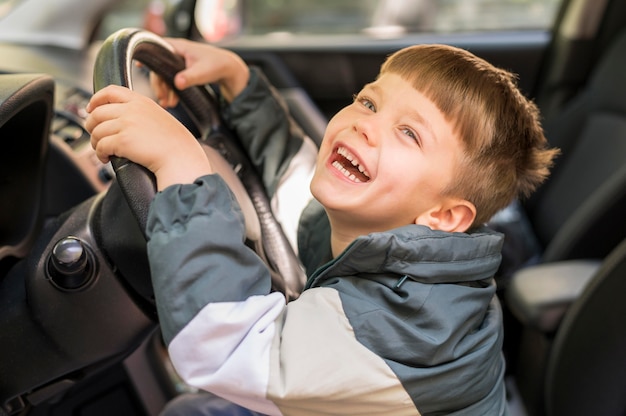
(227, 334)
(262, 121)
(282, 154)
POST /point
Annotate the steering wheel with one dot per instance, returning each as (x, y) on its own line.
(114, 65)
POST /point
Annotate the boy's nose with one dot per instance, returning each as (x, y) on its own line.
(365, 128)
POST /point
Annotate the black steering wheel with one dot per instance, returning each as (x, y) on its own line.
(114, 65)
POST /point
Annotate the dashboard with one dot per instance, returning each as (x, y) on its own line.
(69, 135)
(73, 171)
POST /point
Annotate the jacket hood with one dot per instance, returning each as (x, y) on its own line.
(422, 254)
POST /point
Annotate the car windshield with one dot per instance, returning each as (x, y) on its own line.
(377, 18)
(76, 23)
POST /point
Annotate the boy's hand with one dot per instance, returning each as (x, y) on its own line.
(204, 64)
(127, 124)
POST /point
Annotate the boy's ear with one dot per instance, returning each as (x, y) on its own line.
(454, 215)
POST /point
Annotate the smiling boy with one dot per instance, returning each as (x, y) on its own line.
(399, 315)
(403, 159)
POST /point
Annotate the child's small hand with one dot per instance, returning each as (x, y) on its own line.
(127, 124)
(165, 95)
(204, 64)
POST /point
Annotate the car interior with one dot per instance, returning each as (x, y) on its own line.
(86, 341)
(570, 320)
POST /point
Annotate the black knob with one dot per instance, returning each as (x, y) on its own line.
(70, 265)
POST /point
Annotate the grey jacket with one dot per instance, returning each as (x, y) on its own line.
(404, 322)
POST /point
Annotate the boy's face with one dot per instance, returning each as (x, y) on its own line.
(385, 159)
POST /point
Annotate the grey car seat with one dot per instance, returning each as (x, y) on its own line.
(569, 308)
(572, 356)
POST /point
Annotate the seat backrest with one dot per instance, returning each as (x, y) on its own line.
(586, 371)
(578, 212)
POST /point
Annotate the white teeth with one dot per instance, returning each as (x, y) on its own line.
(352, 159)
(345, 172)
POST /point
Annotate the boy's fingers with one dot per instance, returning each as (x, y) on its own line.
(172, 98)
(99, 142)
(165, 95)
(101, 113)
(193, 75)
(180, 80)
(101, 126)
(107, 95)
(110, 138)
(106, 148)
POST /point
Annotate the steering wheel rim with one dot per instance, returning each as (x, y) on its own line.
(138, 185)
(114, 66)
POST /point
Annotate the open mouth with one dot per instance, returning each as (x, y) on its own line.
(346, 163)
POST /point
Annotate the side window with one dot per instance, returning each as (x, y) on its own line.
(220, 19)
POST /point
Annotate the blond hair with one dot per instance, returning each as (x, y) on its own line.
(506, 154)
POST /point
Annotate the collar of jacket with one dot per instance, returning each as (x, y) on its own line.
(419, 253)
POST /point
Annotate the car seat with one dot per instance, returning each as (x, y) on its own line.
(572, 354)
(578, 211)
(568, 309)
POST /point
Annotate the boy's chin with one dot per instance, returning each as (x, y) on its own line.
(317, 188)
(328, 197)
(328, 186)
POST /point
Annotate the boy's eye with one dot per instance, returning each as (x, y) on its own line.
(365, 102)
(411, 134)
(368, 104)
